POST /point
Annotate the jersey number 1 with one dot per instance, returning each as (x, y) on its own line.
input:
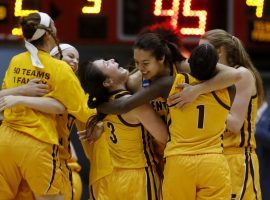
(201, 116)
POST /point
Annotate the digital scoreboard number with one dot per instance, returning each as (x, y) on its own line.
(259, 20)
(125, 19)
(114, 21)
(93, 7)
(187, 11)
(191, 17)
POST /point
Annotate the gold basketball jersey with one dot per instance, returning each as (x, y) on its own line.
(126, 141)
(246, 136)
(199, 127)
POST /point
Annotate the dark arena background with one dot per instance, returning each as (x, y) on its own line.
(107, 28)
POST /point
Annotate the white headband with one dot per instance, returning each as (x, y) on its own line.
(62, 46)
(44, 20)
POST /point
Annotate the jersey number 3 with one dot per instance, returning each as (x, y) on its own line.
(201, 116)
(112, 136)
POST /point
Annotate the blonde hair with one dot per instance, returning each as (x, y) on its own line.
(236, 55)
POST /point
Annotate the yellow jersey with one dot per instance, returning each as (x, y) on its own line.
(161, 108)
(98, 154)
(160, 104)
(246, 136)
(197, 129)
(127, 142)
(64, 125)
(100, 158)
(64, 86)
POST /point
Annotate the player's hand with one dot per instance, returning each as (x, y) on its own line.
(91, 135)
(186, 96)
(34, 88)
(8, 102)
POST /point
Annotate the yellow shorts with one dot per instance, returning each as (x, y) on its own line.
(76, 179)
(24, 157)
(200, 177)
(130, 184)
(244, 176)
(24, 191)
(76, 185)
(67, 180)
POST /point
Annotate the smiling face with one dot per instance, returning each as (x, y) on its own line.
(71, 57)
(112, 70)
(149, 66)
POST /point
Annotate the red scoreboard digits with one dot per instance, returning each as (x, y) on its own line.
(99, 12)
(187, 12)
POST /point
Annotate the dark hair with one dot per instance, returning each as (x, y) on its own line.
(159, 48)
(30, 24)
(203, 61)
(92, 79)
(166, 31)
(236, 55)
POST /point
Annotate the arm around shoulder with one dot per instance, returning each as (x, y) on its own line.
(225, 77)
(159, 88)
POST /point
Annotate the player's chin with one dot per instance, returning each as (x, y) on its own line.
(147, 76)
(74, 68)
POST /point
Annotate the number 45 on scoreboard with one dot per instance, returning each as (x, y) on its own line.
(187, 12)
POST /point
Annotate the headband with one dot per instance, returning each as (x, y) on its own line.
(44, 20)
(62, 46)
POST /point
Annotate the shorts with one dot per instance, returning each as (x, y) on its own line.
(130, 184)
(245, 177)
(200, 177)
(24, 157)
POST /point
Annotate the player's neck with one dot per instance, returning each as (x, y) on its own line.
(45, 47)
(117, 87)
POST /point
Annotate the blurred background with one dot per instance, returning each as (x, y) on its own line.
(107, 28)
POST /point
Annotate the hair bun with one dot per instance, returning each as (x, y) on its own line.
(92, 102)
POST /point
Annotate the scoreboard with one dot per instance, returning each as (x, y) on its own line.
(112, 21)
(259, 25)
(118, 21)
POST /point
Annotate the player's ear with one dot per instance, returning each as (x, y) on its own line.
(162, 60)
(108, 82)
(221, 51)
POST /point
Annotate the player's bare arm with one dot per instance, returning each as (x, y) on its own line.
(225, 77)
(242, 98)
(152, 122)
(32, 88)
(159, 88)
(43, 104)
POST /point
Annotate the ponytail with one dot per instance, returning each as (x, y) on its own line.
(30, 24)
(176, 56)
